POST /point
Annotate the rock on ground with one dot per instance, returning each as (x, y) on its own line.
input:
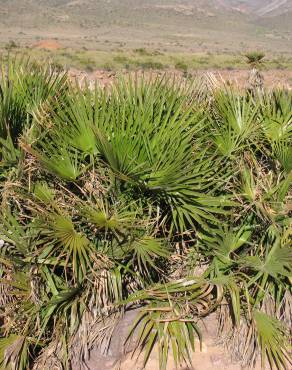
(212, 356)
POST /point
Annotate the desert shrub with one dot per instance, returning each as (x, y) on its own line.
(122, 59)
(57, 66)
(149, 64)
(142, 51)
(255, 58)
(113, 199)
(202, 60)
(11, 44)
(86, 63)
(108, 66)
(182, 66)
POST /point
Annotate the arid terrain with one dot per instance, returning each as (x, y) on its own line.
(211, 354)
(272, 78)
(201, 25)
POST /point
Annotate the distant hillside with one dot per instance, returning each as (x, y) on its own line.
(186, 24)
(267, 8)
(98, 8)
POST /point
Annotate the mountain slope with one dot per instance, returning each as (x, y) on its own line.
(261, 8)
(171, 24)
(110, 9)
(93, 13)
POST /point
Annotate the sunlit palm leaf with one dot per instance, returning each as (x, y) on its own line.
(272, 339)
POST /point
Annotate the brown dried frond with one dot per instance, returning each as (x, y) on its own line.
(50, 357)
(92, 332)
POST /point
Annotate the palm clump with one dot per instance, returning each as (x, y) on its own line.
(255, 59)
(154, 194)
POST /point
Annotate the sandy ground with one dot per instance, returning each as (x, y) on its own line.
(213, 355)
(47, 45)
(272, 78)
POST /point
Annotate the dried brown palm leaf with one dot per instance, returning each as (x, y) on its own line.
(50, 357)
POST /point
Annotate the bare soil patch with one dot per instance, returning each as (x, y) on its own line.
(272, 78)
(47, 45)
(212, 355)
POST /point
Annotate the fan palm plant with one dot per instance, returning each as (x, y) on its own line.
(255, 58)
(256, 79)
(116, 199)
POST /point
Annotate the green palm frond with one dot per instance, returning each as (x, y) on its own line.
(276, 112)
(249, 186)
(277, 264)
(9, 153)
(13, 232)
(43, 192)
(235, 122)
(226, 241)
(66, 305)
(146, 251)
(279, 261)
(272, 339)
(264, 192)
(162, 325)
(254, 58)
(23, 88)
(14, 352)
(72, 118)
(229, 287)
(57, 158)
(121, 218)
(282, 150)
(70, 245)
